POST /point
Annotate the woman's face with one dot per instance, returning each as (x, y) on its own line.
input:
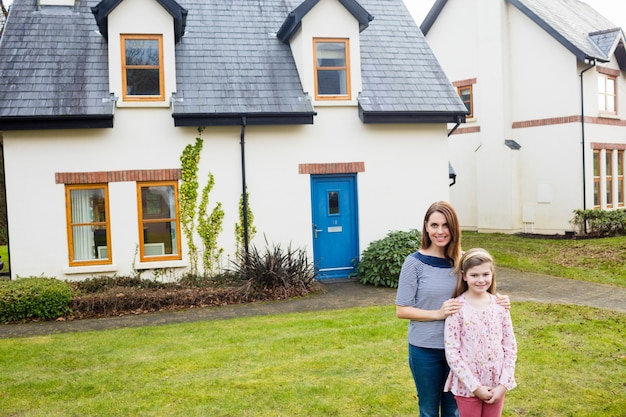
(437, 229)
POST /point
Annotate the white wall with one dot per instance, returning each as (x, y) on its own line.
(405, 171)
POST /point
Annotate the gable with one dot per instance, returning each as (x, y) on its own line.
(103, 9)
(574, 24)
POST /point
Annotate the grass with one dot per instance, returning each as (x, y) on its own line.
(4, 253)
(346, 363)
(596, 260)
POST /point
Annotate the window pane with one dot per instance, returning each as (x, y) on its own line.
(89, 227)
(333, 202)
(601, 85)
(158, 213)
(142, 82)
(331, 54)
(159, 238)
(142, 52)
(331, 82)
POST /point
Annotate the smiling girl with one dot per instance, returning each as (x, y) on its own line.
(480, 345)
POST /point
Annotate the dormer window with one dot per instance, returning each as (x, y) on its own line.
(332, 69)
(142, 67)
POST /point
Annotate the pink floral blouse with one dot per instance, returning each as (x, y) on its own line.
(480, 348)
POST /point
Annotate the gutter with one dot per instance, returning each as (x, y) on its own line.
(244, 186)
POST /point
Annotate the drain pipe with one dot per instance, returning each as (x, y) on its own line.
(244, 186)
(582, 126)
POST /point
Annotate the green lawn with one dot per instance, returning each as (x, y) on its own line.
(4, 253)
(347, 363)
(595, 260)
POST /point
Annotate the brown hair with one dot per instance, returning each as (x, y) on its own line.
(453, 248)
(470, 259)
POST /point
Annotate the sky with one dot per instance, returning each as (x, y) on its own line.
(614, 10)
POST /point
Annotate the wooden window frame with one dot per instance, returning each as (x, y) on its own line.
(608, 178)
(468, 103)
(621, 186)
(597, 192)
(141, 221)
(606, 95)
(160, 67)
(70, 225)
(346, 68)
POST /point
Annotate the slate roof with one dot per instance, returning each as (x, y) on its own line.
(229, 65)
(574, 24)
(53, 68)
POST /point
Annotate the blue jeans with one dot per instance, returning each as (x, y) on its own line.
(430, 371)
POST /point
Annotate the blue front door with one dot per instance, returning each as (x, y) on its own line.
(334, 228)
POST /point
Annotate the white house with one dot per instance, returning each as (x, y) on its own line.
(544, 83)
(333, 115)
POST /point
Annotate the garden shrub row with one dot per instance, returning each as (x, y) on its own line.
(273, 274)
(599, 223)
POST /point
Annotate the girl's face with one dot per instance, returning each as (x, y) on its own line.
(437, 228)
(479, 278)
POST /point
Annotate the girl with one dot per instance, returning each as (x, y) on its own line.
(479, 342)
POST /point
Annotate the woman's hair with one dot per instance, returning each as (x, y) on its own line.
(470, 259)
(453, 248)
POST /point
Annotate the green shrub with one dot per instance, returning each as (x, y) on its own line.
(34, 298)
(600, 223)
(381, 262)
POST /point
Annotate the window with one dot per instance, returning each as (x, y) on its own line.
(466, 96)
(142, 68)
(332, 69)
(596, 178)
(609, 179)
(620, 179)
(606, 94)
(158, 221)
(609, 189)
(88, 224)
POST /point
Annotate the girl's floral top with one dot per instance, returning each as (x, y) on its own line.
(480, 348)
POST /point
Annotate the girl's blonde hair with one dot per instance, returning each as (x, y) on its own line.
(470, 259)
(453, 248)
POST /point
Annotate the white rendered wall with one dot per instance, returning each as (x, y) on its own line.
(405, 171)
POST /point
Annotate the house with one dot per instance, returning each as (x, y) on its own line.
(332, 114)
(546, 135)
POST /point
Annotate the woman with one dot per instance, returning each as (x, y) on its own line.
(427, 281)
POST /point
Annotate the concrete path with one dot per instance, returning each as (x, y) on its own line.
(345, 294)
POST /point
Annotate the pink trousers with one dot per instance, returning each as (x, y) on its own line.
(475, 407)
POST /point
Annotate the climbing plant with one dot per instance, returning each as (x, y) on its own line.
(209, 227)
(239, 227)
(188, 196)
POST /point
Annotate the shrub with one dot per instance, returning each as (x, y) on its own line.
(34, 298)
(600, 223)
(276, 273)
(381, 262)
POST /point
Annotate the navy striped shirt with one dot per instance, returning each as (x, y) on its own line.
(425, 282)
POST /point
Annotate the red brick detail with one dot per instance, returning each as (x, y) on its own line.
(569, 119)
(464, 83)
(608, 71)
(99, 177)
(332, 168)
(608, 146)
(464, 130)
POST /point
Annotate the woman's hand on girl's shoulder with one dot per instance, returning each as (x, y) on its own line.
(450, 307)
(503, 300)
